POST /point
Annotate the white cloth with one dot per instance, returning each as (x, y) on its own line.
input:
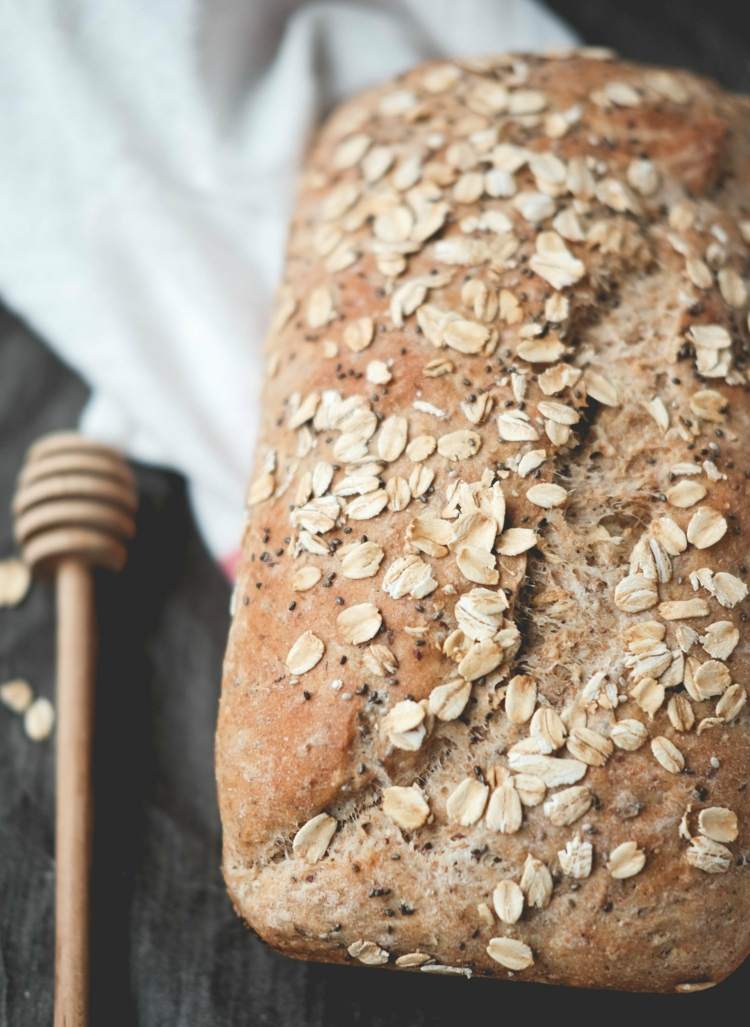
(149, 156)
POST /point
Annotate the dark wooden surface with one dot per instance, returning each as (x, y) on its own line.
(167, 949)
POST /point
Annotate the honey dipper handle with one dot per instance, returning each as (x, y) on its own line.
(75, 678)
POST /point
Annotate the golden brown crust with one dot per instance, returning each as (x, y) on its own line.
(489, 260)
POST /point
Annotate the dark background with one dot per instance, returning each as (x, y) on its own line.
(167, 948)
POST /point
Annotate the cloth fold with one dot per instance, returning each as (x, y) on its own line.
(150, 157)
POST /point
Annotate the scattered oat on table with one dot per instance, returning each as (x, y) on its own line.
(39, 719)
(15, 578)
(16, 695)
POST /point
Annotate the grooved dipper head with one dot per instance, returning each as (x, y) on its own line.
(74, 498)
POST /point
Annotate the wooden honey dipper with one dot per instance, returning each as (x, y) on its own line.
(74, 509)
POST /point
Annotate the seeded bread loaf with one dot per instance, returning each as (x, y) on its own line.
(484, 700)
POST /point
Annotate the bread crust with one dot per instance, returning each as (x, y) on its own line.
(602, 317)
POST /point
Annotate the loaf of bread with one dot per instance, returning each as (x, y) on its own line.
(484, 701)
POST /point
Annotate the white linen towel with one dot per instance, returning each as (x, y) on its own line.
(149, 160)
